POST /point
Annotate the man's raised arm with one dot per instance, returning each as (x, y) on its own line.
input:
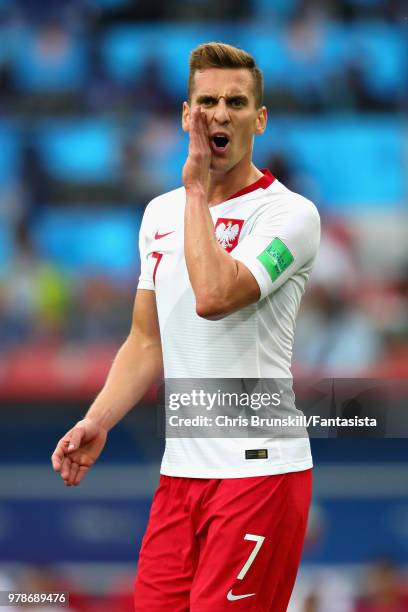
(220, 283)
(136, 366)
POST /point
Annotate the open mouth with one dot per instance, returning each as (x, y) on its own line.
(219, 143)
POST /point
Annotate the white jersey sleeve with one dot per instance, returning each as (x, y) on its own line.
(145, 278)
(280, 243)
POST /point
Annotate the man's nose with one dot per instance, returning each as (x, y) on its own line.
(221, 114)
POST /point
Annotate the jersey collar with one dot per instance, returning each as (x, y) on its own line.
(262, 183)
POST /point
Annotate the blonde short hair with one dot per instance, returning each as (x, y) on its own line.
(221, 55)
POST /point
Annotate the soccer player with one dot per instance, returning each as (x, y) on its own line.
(224, 263)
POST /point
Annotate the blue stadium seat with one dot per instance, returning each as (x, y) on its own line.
(9, 38)
(38, 69)
(90, 241)
(383, 53)
(283, 9)
(10, 144)
(266, 45)
(169, 162)
(356, 163)
(125, 49)
(6, 246)
(80, 150)
(177, 44)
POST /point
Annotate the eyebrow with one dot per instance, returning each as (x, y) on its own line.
(209, 97)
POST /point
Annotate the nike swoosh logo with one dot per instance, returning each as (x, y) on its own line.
(157, 235)
(232, 597)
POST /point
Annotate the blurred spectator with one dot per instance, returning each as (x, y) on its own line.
(387, 304)
(150, 92)
(326, 590)
(356, 93)
(207, 9)
(159, 136)
(52, 59)
(333, 335)
(7, 584)
(101, 311)
(137, 186)
(34, 183)
(384, 589)
(6, 88)
(311, 603)
(34, 296)
(351, 10)
(43, 579)
(280, 167)
(101, 92)
(305, 62)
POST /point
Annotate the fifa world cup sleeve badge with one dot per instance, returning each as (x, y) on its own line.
(276, 258)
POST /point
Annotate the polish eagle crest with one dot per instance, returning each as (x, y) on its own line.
(227, 232)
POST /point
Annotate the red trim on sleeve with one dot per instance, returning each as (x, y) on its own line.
(262, 183)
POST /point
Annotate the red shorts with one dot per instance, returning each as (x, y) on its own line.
(223, 544)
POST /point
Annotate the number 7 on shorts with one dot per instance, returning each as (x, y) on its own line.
(259, 541)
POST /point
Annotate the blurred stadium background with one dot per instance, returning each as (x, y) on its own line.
(90, 99)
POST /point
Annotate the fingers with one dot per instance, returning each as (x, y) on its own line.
(80, 474)
(66, 468)
(56, 460)
(73, 454)
(75, 438)
(61, 462)
(194, 136)
(58, 455)
(73, 472)
(199, 130)
(70, 442)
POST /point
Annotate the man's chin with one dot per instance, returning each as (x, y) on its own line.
(220, 164)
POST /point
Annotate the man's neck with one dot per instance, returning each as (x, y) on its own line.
(223, 185)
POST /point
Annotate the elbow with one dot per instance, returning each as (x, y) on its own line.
(212, 310)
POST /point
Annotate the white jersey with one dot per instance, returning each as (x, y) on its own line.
(275, 233)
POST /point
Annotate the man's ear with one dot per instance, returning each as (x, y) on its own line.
(185, 117)
(261, 120)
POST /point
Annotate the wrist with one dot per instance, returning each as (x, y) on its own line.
(196, 190)
(99, 416)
